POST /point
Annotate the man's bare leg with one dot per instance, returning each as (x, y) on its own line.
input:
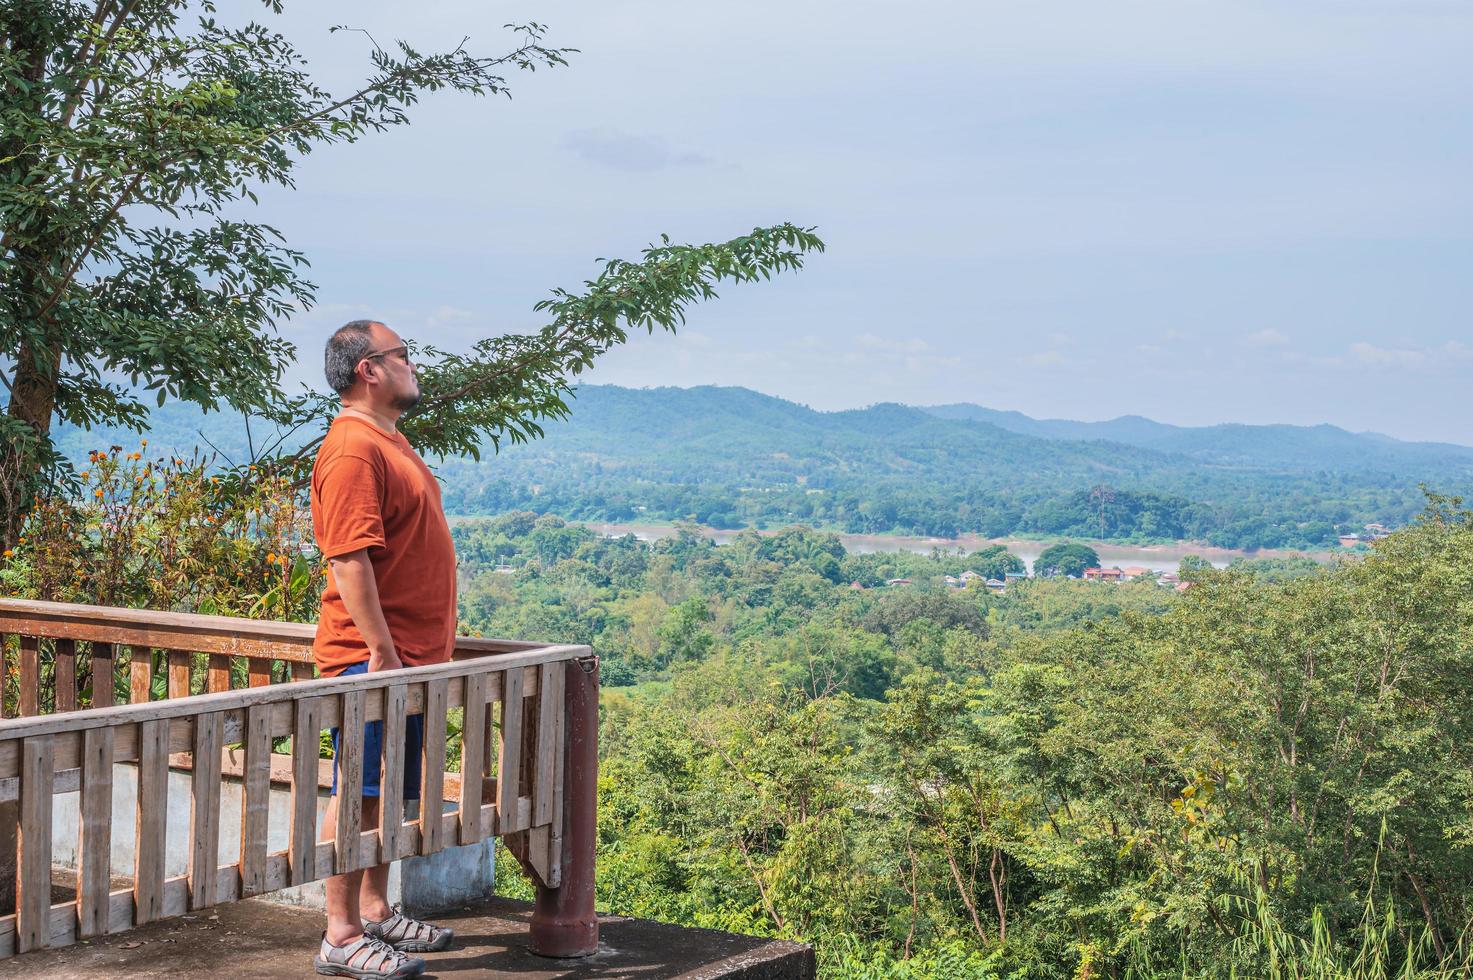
(373, 892)
(356, 895)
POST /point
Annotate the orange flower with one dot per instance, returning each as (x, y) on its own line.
(86, 473)
(144, 443)
(97, 492)
(7, 554)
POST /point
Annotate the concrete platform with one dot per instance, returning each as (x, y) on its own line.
(262, 939)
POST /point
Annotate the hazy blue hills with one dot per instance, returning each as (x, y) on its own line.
(1129, 429)
(735, 457)
(1298, 447)
(711, 434)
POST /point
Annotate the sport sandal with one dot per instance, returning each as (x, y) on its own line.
(366, 958)
(409, 935)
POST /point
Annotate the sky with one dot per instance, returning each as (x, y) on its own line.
(1195, 211)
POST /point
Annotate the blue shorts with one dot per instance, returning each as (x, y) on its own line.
(373, 749)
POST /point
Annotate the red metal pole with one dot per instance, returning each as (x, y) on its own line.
(563, 921)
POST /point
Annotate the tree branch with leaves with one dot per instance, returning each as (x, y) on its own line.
(134, 135)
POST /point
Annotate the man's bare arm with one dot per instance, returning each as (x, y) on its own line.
(359, 589)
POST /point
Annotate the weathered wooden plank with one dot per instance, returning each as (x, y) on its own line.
(509, 764)
(391, 773)
(432, 787)
(30, 675)
(94, 881)
(472, 759)
(204, 810)
(192, 631)
(64, 676)
(33, 880)
(256, 807)
(140, 674)
(350, 782)
(218, 677)
(303, 672)
(179, 664)
(165, 630)
(152, 822)
(237, 700)
(9, 853)
(538, 854)
(102, 671)
(549, 705)
(258, 672)
(305, 747)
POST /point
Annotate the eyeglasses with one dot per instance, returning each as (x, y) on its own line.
(401, 352)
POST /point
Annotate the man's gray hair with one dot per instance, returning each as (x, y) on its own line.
(345, 348)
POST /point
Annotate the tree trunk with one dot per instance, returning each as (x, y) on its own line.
(33, 402)
(34, 382)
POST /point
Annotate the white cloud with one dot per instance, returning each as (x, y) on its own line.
(1402, 357)
(915, 345)
(628, 152)
(1268, 337)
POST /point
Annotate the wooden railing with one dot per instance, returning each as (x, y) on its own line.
(69, 663)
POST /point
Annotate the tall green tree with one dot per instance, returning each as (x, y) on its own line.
(1065, 559)
(132, 134)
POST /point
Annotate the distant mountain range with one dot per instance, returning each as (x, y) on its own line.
(733, 457)
(1293, 446)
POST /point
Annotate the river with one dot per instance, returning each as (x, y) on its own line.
(1160, 557)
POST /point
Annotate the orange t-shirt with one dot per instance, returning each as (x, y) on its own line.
(371, 490)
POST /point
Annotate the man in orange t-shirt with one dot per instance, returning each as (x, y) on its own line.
(389, 603)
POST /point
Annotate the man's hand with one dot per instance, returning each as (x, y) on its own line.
(353, 573)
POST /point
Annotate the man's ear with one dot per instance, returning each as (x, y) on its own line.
(365, 371)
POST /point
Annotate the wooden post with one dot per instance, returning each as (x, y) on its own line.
(179, 663)
(101, 666)
(204, 810)
(30, 675)
(9, 844)
(64, 676)
(549, 704)
(218, 678)
(140, 674)
(391, 774)
(305, 747)
(509, 766)
(255, 800)
(94, 880)
(350, 782)
(33, 912)
(472, 758)
(153, 820)
(432, 786)
(258, 672)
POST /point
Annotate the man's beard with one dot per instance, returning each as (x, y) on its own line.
(405, 402)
